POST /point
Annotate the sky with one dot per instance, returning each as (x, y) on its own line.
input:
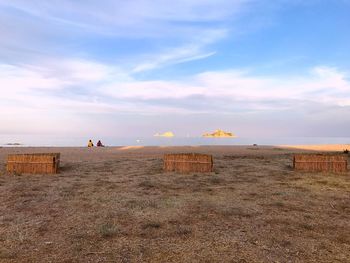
(134, 68)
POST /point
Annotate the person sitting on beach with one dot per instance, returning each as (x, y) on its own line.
(90, 144)
(99, 144)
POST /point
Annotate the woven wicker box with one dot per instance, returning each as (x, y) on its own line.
(37, 163)
(188, 163)
(336, 163)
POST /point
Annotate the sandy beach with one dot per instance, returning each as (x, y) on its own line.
(115, 204)
(320, 148)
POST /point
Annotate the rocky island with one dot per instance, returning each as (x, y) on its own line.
(165, 134)
(219, 134)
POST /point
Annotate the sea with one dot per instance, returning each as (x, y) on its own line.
(56, 141)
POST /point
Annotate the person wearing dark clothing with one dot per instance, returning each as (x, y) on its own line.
(99, 144)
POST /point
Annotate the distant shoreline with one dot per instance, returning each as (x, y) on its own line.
(50, 141)
(311, 147)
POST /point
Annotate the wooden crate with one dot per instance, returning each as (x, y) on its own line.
(37, 163)
(188, 163)
(321, 163)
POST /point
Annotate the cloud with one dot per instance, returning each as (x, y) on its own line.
(177, 32)
(54, 74)
(127, 13)
(41, 22)
(90, 86)
(177, 56)
(189, 52)
(70, 91)
(320, 85)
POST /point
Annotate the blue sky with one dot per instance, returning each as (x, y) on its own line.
(134, 68)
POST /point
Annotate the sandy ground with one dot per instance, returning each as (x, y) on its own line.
(325, 147)
(117, 205)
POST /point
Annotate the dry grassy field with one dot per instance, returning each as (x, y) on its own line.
(117, 205)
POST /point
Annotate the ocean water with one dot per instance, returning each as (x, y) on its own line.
(30, 140)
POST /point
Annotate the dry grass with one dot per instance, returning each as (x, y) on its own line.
(111, 205)
(108, 230)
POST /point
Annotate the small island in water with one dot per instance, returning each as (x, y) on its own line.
(13, 144)
(219, 134)
(165, 134)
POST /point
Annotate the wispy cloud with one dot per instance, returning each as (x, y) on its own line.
(175, 57)
(319, 85)
(128, 13)
(36, 93)
(95, 84)
(195, 50)
(77, 88)
(180, 31)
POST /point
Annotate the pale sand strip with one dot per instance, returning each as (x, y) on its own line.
(324, 147)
